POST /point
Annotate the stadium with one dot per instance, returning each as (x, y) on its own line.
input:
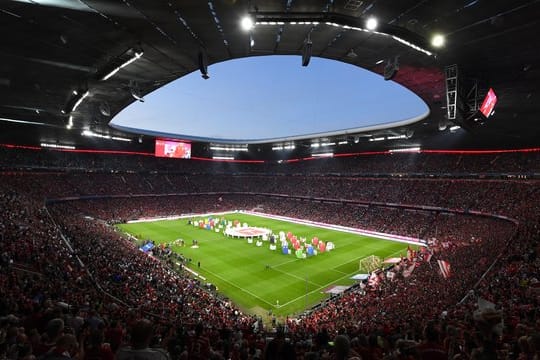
(414, 237)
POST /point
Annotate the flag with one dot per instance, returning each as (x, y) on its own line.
(408, 271)
(445, 268)
(428, 256)
(410, 253)
(375, 279)
(484, 304)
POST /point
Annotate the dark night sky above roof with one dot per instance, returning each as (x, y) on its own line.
(52, 47)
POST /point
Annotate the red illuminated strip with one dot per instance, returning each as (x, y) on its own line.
(82, 151)
(365, 153)
(10, 146)
(478, 152)
(111, 152)
(119, 152)
(440, 152)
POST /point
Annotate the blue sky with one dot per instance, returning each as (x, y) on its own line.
(272, 97)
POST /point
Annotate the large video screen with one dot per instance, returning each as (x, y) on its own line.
(173, 149)
(489, 103)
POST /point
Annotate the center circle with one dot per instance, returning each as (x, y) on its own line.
(247, 232)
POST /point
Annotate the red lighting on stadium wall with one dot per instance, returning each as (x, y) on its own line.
(364, 153)
(10, 146)
(479, 152)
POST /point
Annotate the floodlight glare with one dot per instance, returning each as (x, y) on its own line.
(437, 40)
(70, 123)
(371, 23)
(247, 23)
(115, 70)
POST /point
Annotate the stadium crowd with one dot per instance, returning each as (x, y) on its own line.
(434, 163)
(72, 287)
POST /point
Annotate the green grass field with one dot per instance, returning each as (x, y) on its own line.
(239, 270)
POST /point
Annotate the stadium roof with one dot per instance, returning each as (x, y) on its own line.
(77, 63)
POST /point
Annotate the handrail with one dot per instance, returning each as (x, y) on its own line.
(488, 270)
(90, 275)
(19, 267)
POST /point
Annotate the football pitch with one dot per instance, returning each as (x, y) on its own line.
(259, 280)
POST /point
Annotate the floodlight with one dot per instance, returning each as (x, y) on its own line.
(437, 40)
(105, 109)
(371, 23)
(135, 90)
(405, 150)
(135, 57)
(57, 146)
(247, 23)
(78, 99)
(328, 154)
(223, 157)
(69, 125)
(442, 125)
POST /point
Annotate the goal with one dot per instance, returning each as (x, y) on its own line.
(369, 264)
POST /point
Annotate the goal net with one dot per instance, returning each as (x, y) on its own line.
(370, 263)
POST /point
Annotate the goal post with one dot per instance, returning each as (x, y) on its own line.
(369, 264)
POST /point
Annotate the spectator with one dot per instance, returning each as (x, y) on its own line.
(141, 336)
(279, 348)
(431, 348)
(55, 329)
(66, 348)
(342, 349)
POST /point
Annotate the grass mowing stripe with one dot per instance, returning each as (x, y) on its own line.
(297, 277)
(243, 290)
(256, 277)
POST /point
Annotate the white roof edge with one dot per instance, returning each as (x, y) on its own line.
(273, 140)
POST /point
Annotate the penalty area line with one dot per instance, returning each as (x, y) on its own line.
(296, 277)
(311, 292)
(285, 262)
